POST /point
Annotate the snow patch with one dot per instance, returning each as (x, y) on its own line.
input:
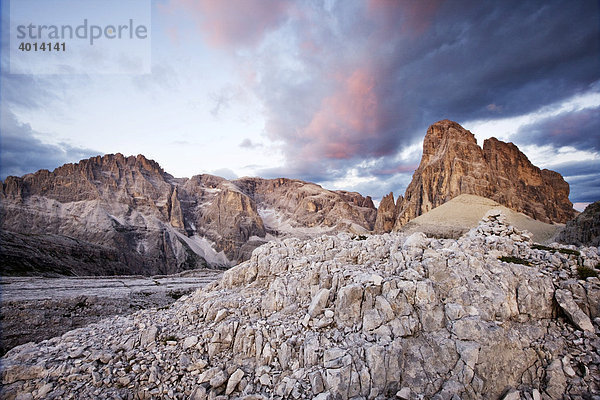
(120, 221)
(276, 221)
(204, 248)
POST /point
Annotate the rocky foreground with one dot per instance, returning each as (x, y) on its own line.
(348, 317)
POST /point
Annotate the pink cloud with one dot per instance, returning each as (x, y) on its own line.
(233, 22)
(406, 16)
(397, 170)
(347, 119)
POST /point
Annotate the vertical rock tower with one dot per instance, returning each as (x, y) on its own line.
(454, 164)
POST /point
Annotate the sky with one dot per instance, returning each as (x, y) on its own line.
(334, 92)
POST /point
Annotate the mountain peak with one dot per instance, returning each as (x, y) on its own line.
(454, 164)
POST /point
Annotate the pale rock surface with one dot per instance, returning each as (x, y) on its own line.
(117, 215)
(463, 324)
(564, 298)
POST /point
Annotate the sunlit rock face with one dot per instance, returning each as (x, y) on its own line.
(454, 164)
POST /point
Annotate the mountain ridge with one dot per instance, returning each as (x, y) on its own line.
(164, 224)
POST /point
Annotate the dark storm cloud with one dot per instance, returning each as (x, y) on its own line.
(579, 129)
(486, 60)
(370, 77)
(583, 179)
(578, 168)
(21, 152)
(585, 189)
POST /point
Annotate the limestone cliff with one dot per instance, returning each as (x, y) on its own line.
(122, 204)
(286, 204)
(454, 164)
(126, 215)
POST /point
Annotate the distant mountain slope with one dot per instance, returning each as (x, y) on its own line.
(453, 164)
(158, 224)
(464, 212)
(584, 230)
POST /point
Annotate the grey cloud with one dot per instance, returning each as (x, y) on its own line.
(453, 62)
(580, 129)
(249, 144)
(222, 100)
(585, 189)
(21, 152)
(583, 178)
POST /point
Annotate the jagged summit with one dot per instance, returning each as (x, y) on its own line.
(162, 224)
(148, 222)
(454, 164)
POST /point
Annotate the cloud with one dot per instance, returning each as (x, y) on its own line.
(585, 189)
(579, 129)
(364, 80)
(347, 122)
(249, 144)
(583, 179)
(224, 173)
(234, 23)
(578, 168)
(222, 100)
(401, 168)
(21, 152)
(411, 17)
(226, 98)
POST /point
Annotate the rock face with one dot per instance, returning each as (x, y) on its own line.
(125, 215)
(117, 204)
(387, 213)
(584, 229)
(286, 204)
(453, 164)
(337, 318)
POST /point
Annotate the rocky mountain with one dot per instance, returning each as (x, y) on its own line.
(584, 229)
(387, 213)
(454, 164)
(334, 317)
(125, 215)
